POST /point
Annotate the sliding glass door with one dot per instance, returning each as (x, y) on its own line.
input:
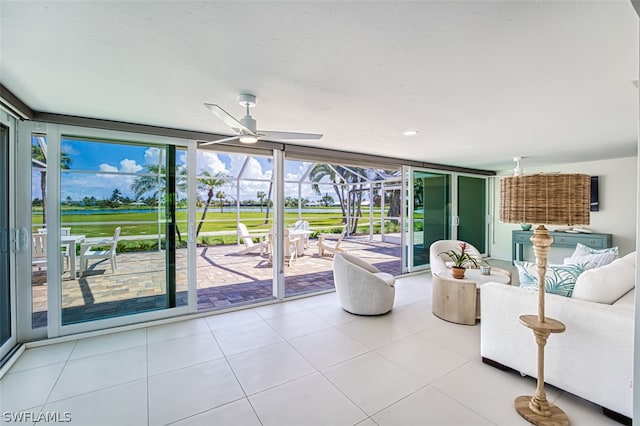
(430, 214)
(442, 206)
(472, 211)
(7, 296)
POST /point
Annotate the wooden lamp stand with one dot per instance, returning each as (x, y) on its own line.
(536, 409)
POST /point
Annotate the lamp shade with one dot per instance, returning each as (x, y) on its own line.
(549, 199)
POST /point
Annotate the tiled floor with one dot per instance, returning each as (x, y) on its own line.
(303, 362)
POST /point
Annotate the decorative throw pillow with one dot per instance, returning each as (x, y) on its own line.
(559, 279)
(607, 283)
(592, 258)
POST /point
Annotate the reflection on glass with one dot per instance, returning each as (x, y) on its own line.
(432, 205)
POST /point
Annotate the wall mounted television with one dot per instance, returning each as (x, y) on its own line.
(595, 201)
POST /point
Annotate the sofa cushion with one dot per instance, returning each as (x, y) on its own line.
(592, 258)
(387, 278)
(607, 283)
(559, 279)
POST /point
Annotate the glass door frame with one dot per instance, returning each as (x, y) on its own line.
(54, 135)
(12, 233)
(408, 217)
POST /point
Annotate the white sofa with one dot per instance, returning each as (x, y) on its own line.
(592, 359)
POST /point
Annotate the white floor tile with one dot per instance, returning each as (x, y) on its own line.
(422, 358)
(109, 343)
(319, 301)
(429, 407)
(232, 319)
(372, 382)
(100, 371)
(295, 325)
(123, 405)
(462, 339)
(374, 331)
(43, 355)
(28, 388)
(189, 391)
(182, 352)
(273, 365)
(277, 309)
(237, 413)
(334, 314)
(174, 330)
(246, 337)
(581, 412)
(406, 296)
(310, 400)
(412, 319)
(328, 347)
(488, 391)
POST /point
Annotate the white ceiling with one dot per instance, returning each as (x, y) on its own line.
(482, 81)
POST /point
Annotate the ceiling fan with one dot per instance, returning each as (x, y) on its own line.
(246, 127)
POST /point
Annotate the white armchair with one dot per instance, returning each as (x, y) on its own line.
(361, 287)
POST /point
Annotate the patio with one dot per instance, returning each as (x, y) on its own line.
(224, 279)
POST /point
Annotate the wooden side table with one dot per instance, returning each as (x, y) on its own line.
(458, 300)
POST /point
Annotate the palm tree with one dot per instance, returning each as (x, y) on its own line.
(208, 184)
(153, 181)
(220, 195)
(321, 171)
(38, 154)
(260, 195)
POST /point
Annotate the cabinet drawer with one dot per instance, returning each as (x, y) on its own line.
(572, 241)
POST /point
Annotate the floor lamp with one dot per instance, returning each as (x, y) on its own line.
(543, 199)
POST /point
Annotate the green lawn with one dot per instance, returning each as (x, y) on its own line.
(146, 223)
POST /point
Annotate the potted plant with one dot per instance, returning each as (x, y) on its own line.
(460, 260)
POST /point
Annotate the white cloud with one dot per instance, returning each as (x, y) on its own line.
(107, 168)
(130, 166)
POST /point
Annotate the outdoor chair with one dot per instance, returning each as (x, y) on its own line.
(249, 244)
(87, 251)
(330, 247)
(290, 247)
(303, 225)
(39, 250)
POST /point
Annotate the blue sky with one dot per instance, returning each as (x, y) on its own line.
(121, 162)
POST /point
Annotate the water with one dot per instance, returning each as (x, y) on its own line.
(213, 209)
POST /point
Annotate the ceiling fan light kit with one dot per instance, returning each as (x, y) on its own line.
(247, 128)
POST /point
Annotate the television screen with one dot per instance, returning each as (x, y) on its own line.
(595, 202)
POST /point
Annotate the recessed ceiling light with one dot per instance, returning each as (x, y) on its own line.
(411, 132)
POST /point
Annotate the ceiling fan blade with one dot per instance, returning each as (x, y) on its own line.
(228, 119)
(230, 138)
(268, 134)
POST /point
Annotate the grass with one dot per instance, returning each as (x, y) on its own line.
(146, 223)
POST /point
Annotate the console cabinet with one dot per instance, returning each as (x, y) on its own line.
(520, 238)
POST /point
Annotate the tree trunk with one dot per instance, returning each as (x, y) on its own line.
(266, 218)
(43, 190)
(204, 212)
(395, 206)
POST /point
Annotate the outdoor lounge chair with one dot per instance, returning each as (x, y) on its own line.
(330, 247)
(290, 247)
(249, 244)
(303, 225)
(87, 251)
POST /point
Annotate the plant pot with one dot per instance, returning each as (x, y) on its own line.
(457, 272)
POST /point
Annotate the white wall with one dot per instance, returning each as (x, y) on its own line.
(618, 189)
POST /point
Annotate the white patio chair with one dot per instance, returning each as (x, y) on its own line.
(330, 247)
(87, 251)
(249, 244)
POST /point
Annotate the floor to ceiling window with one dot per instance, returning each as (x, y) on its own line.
(7, 297)
(122, 228)
(235, 215)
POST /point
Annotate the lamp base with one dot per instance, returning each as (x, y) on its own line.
(557, 417)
